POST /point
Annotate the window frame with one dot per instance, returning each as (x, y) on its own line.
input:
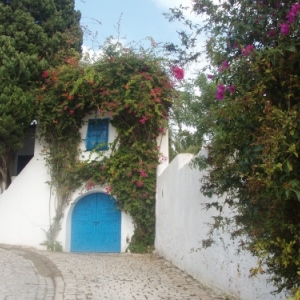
(92, 145)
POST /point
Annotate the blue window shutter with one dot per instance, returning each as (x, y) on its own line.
(97, 134)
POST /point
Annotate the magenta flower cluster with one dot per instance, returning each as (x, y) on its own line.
(284, 28)
(221, 89)
(178, 72)
(293, 13)
(247, 50)
(224, 66)
(291, 17)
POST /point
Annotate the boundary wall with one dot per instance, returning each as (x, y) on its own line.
(182, 224)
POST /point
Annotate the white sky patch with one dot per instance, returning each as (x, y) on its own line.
(172, 3)
(166, 4)
(90, 55)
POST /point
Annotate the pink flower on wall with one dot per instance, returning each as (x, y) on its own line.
(45, 74)
(108, 189)
(90, 185)
(143, 120)
(139, 183)
(143, 173)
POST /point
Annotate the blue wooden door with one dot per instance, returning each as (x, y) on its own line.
(96, 225)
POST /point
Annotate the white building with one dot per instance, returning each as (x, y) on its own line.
(91, 222)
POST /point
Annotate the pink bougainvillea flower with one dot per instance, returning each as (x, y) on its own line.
(284, 28)
(139, 183)
(143, 120)
(219, 95)
(221, 87)
(271, 33)
(161, 129)
(129, 174)
(209, 76)
(220, 91)
(45, 74)
(178, 72)
(108, 189)
(247, 50)
(291, 17)
(90, 184)
(156, 91)
(162, 158)
(224, 66)
(143, 173)
(71, 112)
(293, 13)
(231, 89)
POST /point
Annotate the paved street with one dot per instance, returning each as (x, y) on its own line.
(30, 274)
(21, 279)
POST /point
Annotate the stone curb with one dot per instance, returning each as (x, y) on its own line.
(43, 264)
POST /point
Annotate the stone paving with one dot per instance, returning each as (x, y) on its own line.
(31, 274)
(20, 279)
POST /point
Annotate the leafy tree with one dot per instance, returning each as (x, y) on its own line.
(190, 122)
(33, 36)
(253, 154)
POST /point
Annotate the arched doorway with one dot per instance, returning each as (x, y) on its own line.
(96, 224)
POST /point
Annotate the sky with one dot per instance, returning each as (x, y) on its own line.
(139, 19)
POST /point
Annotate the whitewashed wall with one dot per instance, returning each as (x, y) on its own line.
(24, 206)
(27, 207)
(182, 224)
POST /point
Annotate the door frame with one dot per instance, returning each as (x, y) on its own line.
(99, 207)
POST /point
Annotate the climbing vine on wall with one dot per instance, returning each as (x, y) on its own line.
(132, 87)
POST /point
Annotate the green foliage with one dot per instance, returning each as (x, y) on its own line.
(253, 154)
(134, 89)
(190, 121)
(56, 246)
(33, 36)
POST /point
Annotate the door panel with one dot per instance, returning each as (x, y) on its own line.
(96, 225)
